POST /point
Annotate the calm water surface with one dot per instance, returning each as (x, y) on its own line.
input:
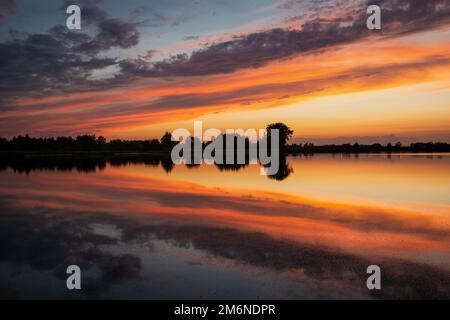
(145, 229)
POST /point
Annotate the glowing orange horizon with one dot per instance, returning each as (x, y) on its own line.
(148, 107)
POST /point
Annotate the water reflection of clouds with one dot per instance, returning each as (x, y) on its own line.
(125, 192)
(49, 240)
(52, 219)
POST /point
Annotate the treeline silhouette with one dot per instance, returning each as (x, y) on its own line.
(417, 147)
(92, 143)
(84, 143)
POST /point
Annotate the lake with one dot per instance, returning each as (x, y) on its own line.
(143, 228)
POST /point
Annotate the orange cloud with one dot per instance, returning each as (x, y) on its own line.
(370, 65)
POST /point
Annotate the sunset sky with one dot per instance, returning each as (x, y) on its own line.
(139, 68)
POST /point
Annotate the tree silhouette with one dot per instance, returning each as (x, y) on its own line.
(166, 141)
(167, 164)
(101, 143)
(285, 133)
(86, 142)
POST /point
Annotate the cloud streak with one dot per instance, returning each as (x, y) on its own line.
(62, 63)
(257, 49)
(61, 60)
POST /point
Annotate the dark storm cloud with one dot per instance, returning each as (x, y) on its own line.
(62, 60)
(7, 7)
(251, 51)
(112, 33)
(413, 15)
(43, 63)
(93, 14)
(257, 49)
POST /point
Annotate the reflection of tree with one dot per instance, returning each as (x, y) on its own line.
(93, 164)
(231, 167)
(284, 170)
(192, 165)
(167, 164)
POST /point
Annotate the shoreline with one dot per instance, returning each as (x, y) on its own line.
(164, 154)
